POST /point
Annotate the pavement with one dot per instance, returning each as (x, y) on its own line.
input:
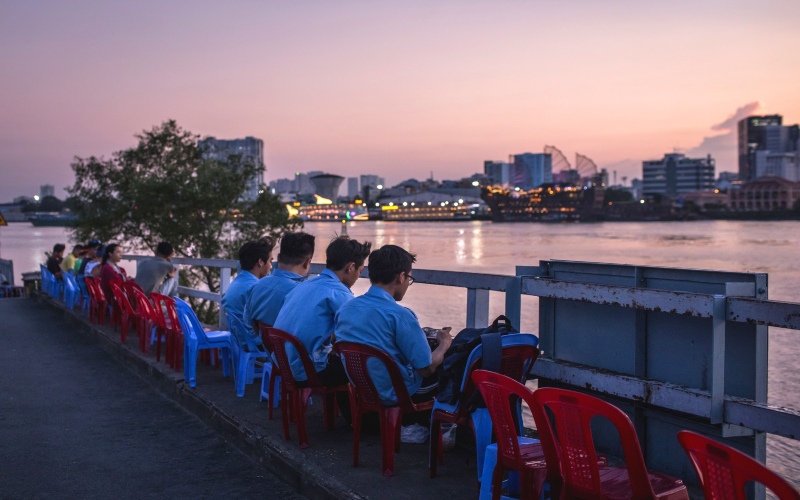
(75, 424)
(53, 346)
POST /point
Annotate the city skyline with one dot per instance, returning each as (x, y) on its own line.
(394, 89)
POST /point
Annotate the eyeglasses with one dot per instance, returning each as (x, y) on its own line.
(411, 279)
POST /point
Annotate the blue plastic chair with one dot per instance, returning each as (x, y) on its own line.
(72, 293)
(195, 338)
(520, 351)
(244, 361)
(47, 280)
(84, 294)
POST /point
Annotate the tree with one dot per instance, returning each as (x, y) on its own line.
(164, 189)
(616, 195)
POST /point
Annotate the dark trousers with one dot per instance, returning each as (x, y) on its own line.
(332, 375)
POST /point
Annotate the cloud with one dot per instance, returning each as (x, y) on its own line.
(723, 147)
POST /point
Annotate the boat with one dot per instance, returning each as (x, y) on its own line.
(53, 219)
(328, 212)
(546, 203)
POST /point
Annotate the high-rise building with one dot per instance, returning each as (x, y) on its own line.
(752, 138)
(250, 148)
(531, 170)
(46, 190)
(352, 188)
(676, 174)
(497, 172)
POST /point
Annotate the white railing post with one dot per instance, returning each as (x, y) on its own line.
(477, 308)
(224, 282)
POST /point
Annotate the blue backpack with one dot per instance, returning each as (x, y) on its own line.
(451, 375)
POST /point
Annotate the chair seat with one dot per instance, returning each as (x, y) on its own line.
(615, 484)
(218, 336)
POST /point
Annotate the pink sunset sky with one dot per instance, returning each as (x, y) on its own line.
(398, 89)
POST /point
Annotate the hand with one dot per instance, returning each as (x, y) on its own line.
(443, 336)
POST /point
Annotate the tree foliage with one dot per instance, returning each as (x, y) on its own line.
(165, 189)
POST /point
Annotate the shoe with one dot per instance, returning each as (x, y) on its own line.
(414, 434)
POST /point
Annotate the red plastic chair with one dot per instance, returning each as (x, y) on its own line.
(173, 349)
(516, 363)
(147, 322)
(501, 394)
(276, 371)
(724, 472)
(583, 476)
(296, 396)
(365, 397)
(126, 314)
(128, 286)
(98, 304)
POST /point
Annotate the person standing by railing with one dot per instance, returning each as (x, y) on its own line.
(54, 261)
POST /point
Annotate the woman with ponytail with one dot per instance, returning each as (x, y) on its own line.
(110, 270)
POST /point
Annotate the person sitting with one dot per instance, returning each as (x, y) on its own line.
(255, 259)
(91, 253)
(268, 295)
(377, 320)
(310, 308)
(157, 273)
(69, 261)
(110, 270)
(93, 266)
(54, 261)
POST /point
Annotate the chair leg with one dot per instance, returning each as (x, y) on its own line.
(497, 481)
(300, 415)
(390, 427)
(287, 399)
(356, 413)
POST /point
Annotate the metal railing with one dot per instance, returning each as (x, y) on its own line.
(732, 413)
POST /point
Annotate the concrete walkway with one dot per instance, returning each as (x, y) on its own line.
(76, 424)
(323, 470)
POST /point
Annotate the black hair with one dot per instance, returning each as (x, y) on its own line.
(77, 247)
(253, 251)
(342, 250)
(296, 248)
(59, 247)
(387, 262)
(109, 250)
(164, 249)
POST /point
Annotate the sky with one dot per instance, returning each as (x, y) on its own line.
(399, 89)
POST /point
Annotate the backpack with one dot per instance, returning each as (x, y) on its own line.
(454, 365)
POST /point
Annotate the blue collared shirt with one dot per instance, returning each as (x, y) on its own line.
(236, 297)
(268, 295)
(308, 314)
(377, 320)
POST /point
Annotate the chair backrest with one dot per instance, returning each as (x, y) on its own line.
(128, 286)
(81, 281)
(164, 304)
(573, 412)
(724, 472)
(188, 320)
(241, 333)
(144, 307)
(501, 394)
(119, 296)
(520, 351)
(277, 343)
(94, 289)
(355, 362)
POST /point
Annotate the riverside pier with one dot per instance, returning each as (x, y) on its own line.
(674, 348)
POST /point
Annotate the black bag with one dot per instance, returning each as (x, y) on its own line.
(454, 365)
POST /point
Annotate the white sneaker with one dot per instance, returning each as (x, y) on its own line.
(414, 434)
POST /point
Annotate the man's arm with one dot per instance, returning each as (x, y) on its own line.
(437, 356)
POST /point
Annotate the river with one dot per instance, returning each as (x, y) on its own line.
(485, 247)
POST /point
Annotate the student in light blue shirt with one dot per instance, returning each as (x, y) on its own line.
(377, 320)
(255, 257)
(268, 295)
(309, 310)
